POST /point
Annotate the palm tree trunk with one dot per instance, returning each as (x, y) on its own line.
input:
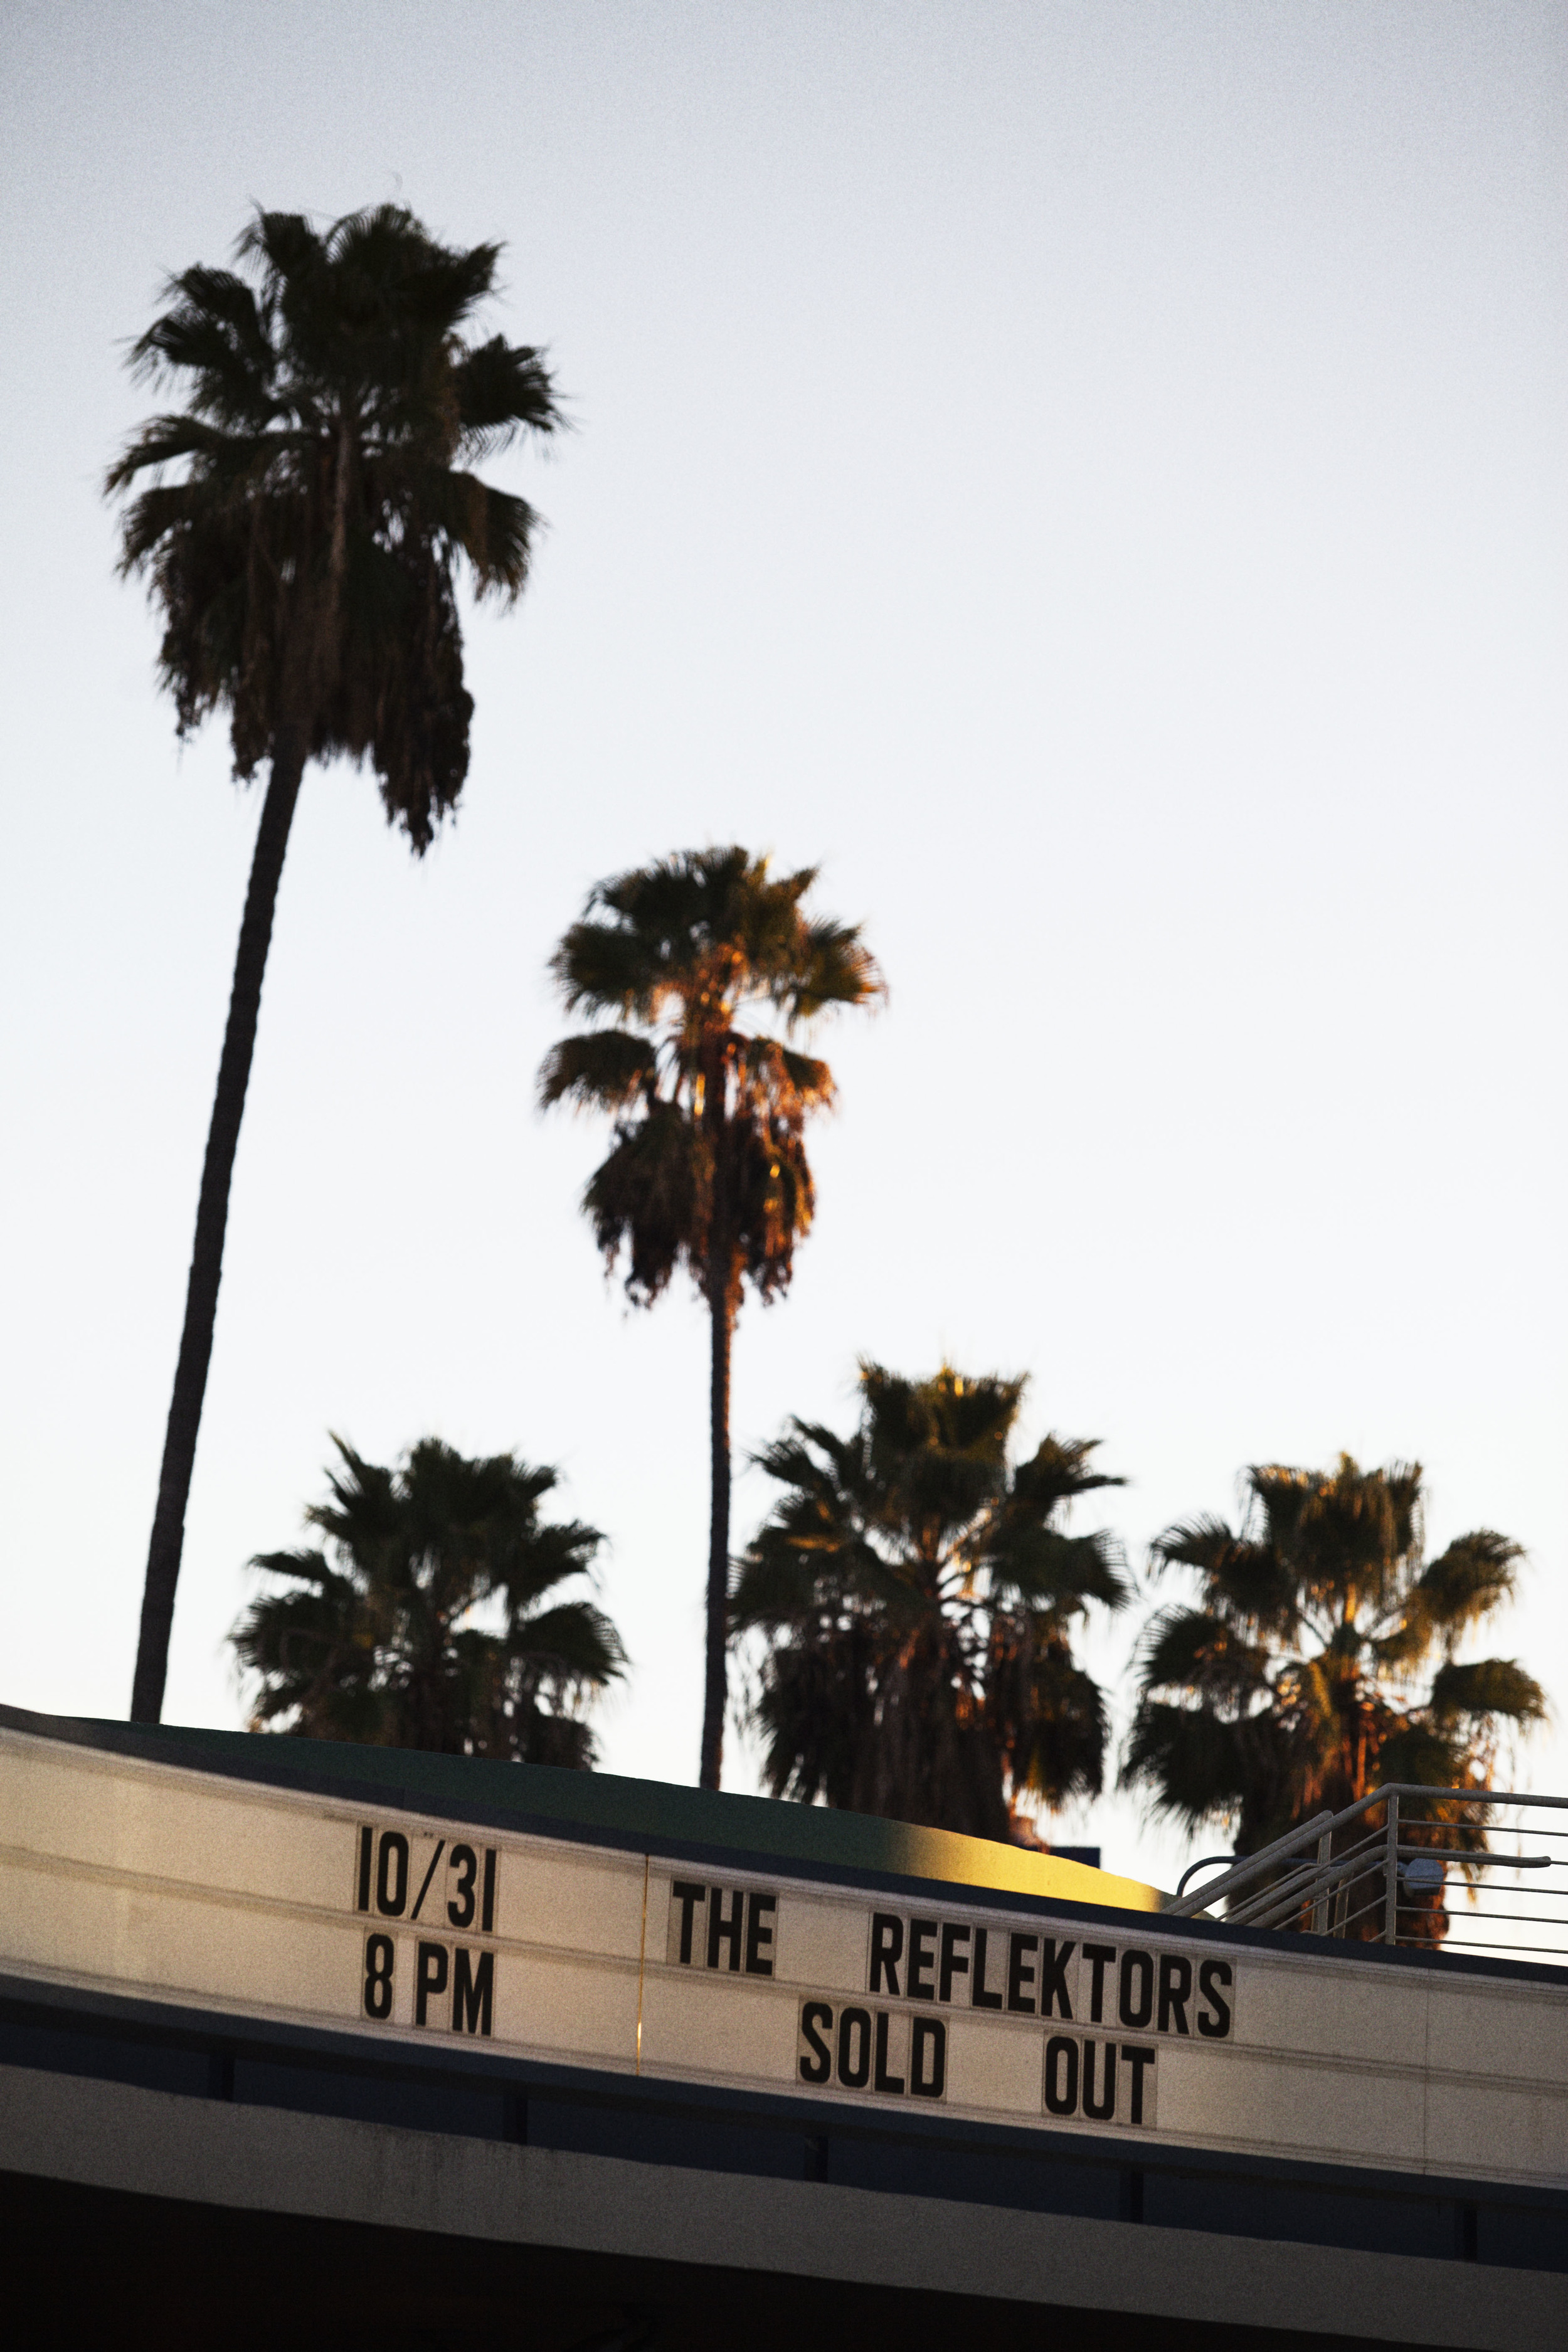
(212, 1218)
(722, 1309)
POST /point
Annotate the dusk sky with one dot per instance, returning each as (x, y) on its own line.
(1090, 477)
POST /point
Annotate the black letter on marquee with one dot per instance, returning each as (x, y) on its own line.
(430, 1979)
(952, 1963)
(922, 1959)
(1175, 1985)
(1214, 2021)
(392, 1886)
(1136, 2010)
(1138, 2059)
(1100, 1957)
(425, 1882)
(978, 1996)
(487, 1909)
(1061, 2074)
(853, 2037)
(819, 2066)
(927, 2032)
(885, 2082)
(1105, 2107)
(366, 1839)
(466, 1862)
(1053, 1959)
(1019, 1974)
(721, 1930)
(471, 1990)
(380, 1953)
(887, 1949)
(689, 1897)
(758, 1934)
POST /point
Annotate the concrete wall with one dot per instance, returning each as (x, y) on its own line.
(113, 2135)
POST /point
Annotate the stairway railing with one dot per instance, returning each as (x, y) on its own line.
(1337, 1871)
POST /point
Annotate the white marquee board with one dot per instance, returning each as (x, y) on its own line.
(184, 1887)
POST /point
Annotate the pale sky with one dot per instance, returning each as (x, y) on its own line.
(1090, 477)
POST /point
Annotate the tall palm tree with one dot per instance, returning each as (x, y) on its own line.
(371, 1637)
(707, 1168)
(919, 1591)
(301, 530)
(1316, 1661)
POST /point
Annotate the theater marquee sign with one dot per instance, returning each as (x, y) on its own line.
(770, 1982)
(178, 1885)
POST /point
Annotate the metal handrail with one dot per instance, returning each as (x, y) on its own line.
(1321, 1879)
(1251, 1866)
(1208, 1862)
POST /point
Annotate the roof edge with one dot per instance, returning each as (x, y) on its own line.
(604, 1802)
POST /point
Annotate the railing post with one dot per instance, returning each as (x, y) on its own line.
(1321, 1906)
(1391, 1885)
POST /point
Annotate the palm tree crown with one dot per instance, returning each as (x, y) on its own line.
(373, 1637)
(304, 560)
(918, 1592)
(1318, 1659)
(300, 523)
(675, 963)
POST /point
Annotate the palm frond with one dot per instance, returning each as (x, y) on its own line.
(1048, 1569)
(1487, 1687)
(838, 968)
(1421, 1753)
(601, 1069)
(1191, 1760)
(1188, 1650)
(606, 967)
(647, 1199)
(1247, 1580)
(1049, 1715)
(500, 389)
(575, 1640)
(494, 529)
(1464, 1584)
(1057, 1471)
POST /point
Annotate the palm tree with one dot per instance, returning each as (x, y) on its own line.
(373, 1637)
(918, 1592)
(1317, 1663)
(707, 1168)
(304, 560)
